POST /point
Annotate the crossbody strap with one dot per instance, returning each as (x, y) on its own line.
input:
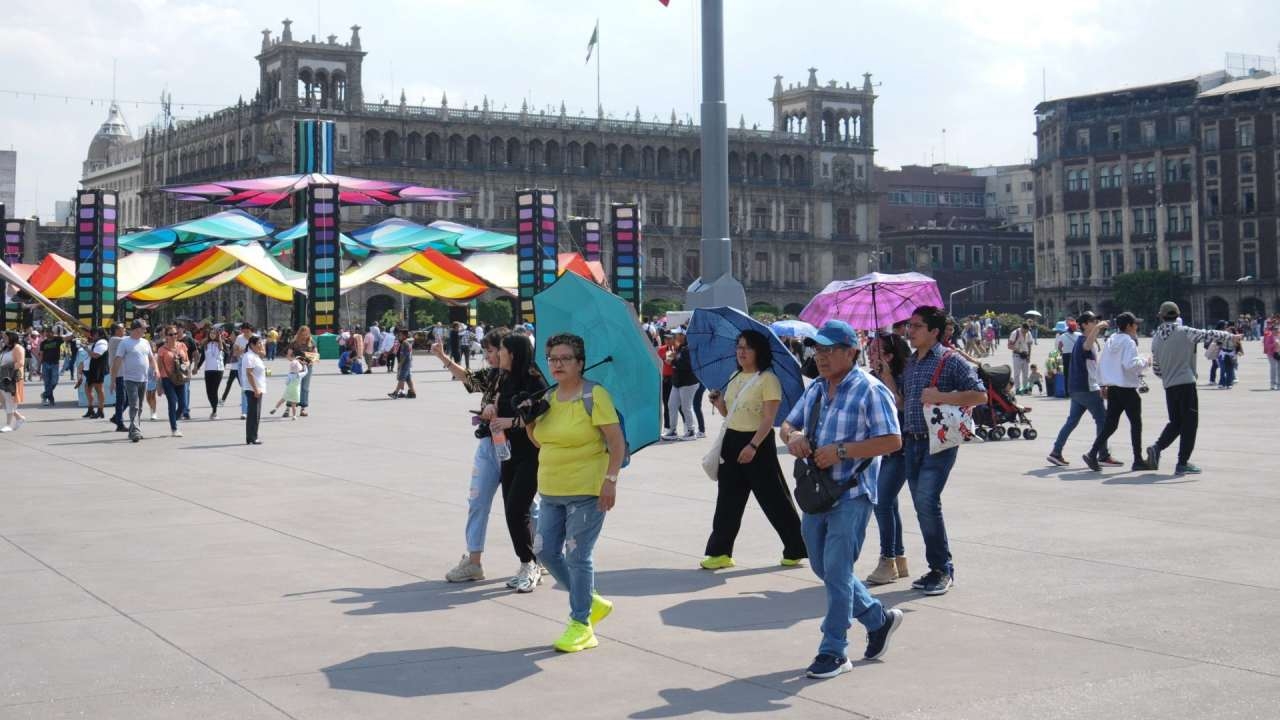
(937, 372)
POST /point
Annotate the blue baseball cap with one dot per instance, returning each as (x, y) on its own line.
(837, 332)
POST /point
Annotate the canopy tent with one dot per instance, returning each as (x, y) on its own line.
(140, 269)
(13, 278)
(275, 191)
(192, 236)
(55, 277)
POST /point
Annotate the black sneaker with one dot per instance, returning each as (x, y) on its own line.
(1110, 461)
(1092, 462)
(121, 428)
(1153, 456)
(878, 640)
(919, 582)
(90, 413)
(937, 583)
(1057, 459)
(1142, 466)
(1186, 469)
(828, 666)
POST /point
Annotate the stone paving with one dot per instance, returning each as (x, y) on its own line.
(198, 577)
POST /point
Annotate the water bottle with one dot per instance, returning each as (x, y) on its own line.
(501, 448)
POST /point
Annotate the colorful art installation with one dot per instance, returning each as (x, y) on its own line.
(11, 252)
(625, 223)
(591, 239)
(324, 257)
(313, 144)
(537, 246)
(8, 276)
(96, 256)
(271, 192)
(192, 236)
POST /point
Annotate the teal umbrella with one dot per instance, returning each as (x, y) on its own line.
(625, 362)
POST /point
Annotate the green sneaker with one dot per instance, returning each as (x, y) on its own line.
(789, 562)
(1187, 469)
(576, 637)
(718, 562)
(600, 609)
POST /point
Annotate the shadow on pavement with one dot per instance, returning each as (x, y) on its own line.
(424, 596)
(767, 610)
(644, 582)
(1147, 479)
(747, 695)
(418, 673)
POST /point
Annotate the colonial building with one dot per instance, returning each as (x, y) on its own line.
(114, 162)
(803, 208)
(1180, 176)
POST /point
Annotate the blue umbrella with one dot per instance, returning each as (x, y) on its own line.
(793, 328)
(626, 363)
(713, 340)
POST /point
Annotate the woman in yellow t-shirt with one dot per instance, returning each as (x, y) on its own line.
(749, 457)
(579, 459)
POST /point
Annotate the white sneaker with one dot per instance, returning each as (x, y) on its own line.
(177, 433)
(243, 416)
(6, 428)
(19, 423)
(465, 570)
(701, 434)
(528, 578)
(153, 417)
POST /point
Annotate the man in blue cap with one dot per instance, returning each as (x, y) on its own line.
(850, 416)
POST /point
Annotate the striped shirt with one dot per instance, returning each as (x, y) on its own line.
(957, 375)
(862, 408)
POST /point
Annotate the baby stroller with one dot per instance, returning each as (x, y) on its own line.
(1001, 408)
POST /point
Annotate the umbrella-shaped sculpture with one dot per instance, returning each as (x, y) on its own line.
(713, 340)
(624, 360)
(872, 301)
(793, 328)
(192, 236)
(275, 191)
(285, 241)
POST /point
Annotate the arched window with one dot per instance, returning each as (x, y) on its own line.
(648, 161)
(457, 149)
(391, 149)
(1071, 180)
(554, 160)
(497, 151)
(413, 147)
(513, 153)
(628, 159)
(431, 147)
(591, 157)
(535, 153)
(372, 145)
(768, 168)
(683, 160)
(474, 148)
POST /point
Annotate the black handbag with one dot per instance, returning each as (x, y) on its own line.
(816, 490)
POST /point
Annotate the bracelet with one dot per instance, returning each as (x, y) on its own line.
(754, 445)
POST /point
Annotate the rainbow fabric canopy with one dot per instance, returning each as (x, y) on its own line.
(275, 191)
(192, 236)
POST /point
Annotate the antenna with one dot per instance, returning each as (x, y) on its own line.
(113, 81)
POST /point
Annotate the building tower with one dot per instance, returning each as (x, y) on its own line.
(308, 74)
(113, 134)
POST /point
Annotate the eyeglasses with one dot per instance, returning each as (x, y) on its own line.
(560, 359)
(828, 349)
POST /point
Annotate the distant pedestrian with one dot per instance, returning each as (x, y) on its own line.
(253, 378)
(134, 360)
(1120, 374)
(404, 361)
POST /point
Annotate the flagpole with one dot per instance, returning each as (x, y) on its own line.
(598, 105)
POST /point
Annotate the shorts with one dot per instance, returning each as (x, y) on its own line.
(403, 373)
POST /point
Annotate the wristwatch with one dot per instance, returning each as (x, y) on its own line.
(611, 478)
(753, 445)
(840, 451)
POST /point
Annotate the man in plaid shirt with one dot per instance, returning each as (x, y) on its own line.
(958, 384)
(851, 416)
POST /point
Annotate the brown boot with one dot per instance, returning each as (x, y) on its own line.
(884, 573)
(900, 563)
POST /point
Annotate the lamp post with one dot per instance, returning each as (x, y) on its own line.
(951, 299)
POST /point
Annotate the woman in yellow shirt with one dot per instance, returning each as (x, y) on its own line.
(579, 459)
(749, 457)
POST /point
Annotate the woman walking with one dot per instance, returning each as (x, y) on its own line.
(485, 469)
(887, 356)
(253, 378)
(12, 360)
(684, 385)
(520, 380)
(99, 361)
(304, 348)
(749, 457)
(172, 367)
(214, 364)
(581, 451)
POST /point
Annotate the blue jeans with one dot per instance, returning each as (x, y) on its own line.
(1227, 377)
(927, 476)
(485, 479)
(834, 539)
(121, 401)
(305, 397)
(575, 519)
(1080, 402)
(173, 396)
(49, 372)
(893, 475)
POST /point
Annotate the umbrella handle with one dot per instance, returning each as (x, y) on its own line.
(607, 359)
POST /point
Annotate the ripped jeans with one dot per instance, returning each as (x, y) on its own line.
(566, 541)
(485, 480)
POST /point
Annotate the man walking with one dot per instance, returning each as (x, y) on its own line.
(117, 382)
(1173, 349)
(1020, 343)
(1083, 389)
(1120, 373)
(936, 376)
(133, 361)
(850, 415)
(50, 363)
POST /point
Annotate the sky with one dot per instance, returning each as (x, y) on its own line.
(976, 70)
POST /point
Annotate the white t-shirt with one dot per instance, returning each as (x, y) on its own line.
(240, 346)
(251, 362)
(135, 358)
(100, 348)
(213, 360)
(388, 342)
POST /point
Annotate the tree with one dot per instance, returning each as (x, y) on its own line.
(494, 312)
(657, 307)
(1142, 292)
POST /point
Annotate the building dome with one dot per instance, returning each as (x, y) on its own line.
(113, 133)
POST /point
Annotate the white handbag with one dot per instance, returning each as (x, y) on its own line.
(949, 425)
(711, 461)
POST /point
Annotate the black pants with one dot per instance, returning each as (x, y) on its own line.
(1126, 401)
(226, 390)
(697, 407)
(666, 392)
(1066, 374)
(763, 477)
(212, 378)
(519, 486)
(1183, 403)
(254, 415)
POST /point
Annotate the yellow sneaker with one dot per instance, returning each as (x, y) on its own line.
(600, 609)
(576, 637)
(790, 562)
(718, 562)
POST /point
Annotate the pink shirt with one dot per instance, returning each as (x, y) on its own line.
(1269, 342)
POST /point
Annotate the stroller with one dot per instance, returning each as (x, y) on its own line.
(1001, 407)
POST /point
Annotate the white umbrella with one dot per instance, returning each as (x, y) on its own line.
(1032, 313)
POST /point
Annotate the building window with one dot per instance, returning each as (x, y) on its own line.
(505, 212)
(1182, 128)
(1119, 255)
(1139, 259)
(1106, 264)
(760, 218)
(1248, 231)
(1073, 180)
(1135, 174)
(1211, 167)
(794, 220)
(935, 256)
(1104, 229)
(793, 268)
(1015, 290)
(1113, 137)
(692, 215)
(760, 267)
(342, 141)
(1186, 218)
(1117, 221)
(1149, 173)
(1213, 231)
(1244, 135)
(1214, 253)
(1086, 225)
(1246, 164)
(1015, 257)
(957, 257)
(1073, 225)
(1214, 201)
(658, 263)
(976, 252)
(1171, 224)
(1082, 140)
(1139, 227)
(1148, 128)
(1188, 261)
(1248, 199)
(1249, 258)
(1084, 179)
(1075, 266)
(994, 257)
(692, 265)
(1210, 138)
(657, 214)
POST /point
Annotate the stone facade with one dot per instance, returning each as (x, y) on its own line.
(802, 200)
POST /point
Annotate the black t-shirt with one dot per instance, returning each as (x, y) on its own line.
(508, 391)
(50, 350)
(683, 367)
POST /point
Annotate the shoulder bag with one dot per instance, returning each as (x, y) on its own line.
(949, 425)
(181, 371)
(711, 461)
(816, 490)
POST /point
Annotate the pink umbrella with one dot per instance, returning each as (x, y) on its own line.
(872, 301)
(270, 192)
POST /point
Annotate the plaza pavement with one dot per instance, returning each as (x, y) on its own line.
(200, 578)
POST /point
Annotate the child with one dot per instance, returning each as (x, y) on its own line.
(292, 386)
(1035, 380)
